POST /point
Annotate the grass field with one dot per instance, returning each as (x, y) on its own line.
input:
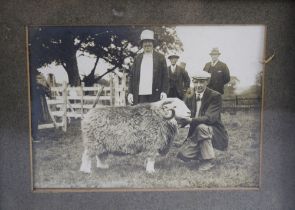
(57, 158)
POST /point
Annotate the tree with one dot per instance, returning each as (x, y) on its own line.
(58, 45)
(115, 45)
(254, 91)
(230, 87)
(125, 45)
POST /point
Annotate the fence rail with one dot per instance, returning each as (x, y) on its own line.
(73, 102)
(60, 88)
(241, 103)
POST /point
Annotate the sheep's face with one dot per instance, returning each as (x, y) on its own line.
(177, 107)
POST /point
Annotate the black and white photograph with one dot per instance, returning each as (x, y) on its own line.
(147, 107)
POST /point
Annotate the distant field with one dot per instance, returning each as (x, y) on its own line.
(57, 158)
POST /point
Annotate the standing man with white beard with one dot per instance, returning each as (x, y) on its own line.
(148, 79)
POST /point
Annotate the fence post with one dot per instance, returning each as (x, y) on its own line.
(82, 99)
(237, 101)
(65, 100)
(111, 91)
(123, 85)
(116, 90)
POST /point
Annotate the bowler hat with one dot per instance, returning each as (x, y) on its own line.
(200, 75)
(215, 51)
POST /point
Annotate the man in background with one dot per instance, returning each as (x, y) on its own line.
(40, 112)
(206, 130)
(179, 80)
(219, 72)
(148, 79)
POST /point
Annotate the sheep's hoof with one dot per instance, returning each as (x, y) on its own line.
(85, 171)
(150, 171)
(150, 166)
(102, 166)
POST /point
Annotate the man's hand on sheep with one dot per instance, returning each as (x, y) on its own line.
(163, 96)
(185, 121)
(130, 98)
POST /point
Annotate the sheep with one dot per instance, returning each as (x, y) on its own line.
(148, 129)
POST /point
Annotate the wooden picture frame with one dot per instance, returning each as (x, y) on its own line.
(277, 173)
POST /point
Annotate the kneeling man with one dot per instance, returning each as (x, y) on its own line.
(206, 130)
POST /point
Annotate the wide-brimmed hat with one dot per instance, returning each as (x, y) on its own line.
(147, 35)
(200, 75)
(215, 51)
(173, 56)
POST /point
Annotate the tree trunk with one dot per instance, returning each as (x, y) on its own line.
(71, 67)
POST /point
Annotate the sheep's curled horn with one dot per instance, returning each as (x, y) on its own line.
(168, 113)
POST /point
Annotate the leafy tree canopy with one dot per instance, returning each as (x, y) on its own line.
(117, 45)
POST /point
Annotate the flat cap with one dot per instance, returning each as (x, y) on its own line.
(173, 56)
(200, 75)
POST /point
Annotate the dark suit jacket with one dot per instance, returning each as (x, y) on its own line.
(219, 76)
(181, 79)
(209, 114)
(160, 76)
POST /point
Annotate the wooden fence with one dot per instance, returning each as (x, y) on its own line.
(74, 102)
(241, 104)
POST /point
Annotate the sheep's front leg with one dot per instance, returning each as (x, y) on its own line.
(100, 164)
(150, 165)
(86, 162)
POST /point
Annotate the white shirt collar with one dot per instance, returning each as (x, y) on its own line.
(199, 102)
(200, 94)
(173, 67)
(214, 63)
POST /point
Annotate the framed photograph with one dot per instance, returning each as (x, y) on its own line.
(146, 107)
(94, 116)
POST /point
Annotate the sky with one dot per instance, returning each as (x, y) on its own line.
(241, 47)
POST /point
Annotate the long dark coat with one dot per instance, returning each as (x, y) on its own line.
(181, 80)
(160, 76)
(40, 110)
(209, 114)
(219, 76)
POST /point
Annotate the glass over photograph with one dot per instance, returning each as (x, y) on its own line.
(146, 107)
